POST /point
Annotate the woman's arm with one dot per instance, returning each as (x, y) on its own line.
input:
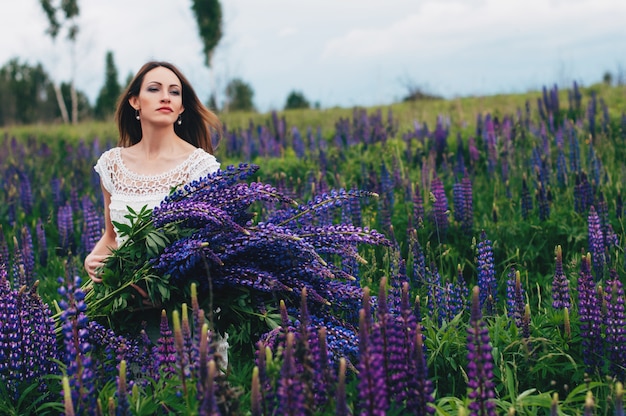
(102, 249)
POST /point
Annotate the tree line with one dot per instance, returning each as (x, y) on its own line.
(29, 95)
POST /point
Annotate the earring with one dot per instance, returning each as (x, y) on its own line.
(180, 120)
(137, 114)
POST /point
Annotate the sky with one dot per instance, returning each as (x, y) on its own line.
(336, 52)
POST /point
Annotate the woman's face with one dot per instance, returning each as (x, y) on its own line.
(160, 99)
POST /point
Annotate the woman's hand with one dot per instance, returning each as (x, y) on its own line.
(93, 264)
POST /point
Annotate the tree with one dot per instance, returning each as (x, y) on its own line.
(107, 98)
(26, 94)
(209, 18)
(239, 96)
(296, 99)
(69, 12)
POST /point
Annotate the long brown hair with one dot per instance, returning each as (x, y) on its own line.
(199, 127)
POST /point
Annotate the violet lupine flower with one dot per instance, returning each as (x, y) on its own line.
(467, 223)
(515, 297)
(490, 138)
(26, 194)
(27, 339)
(418, 208)
(583, 193)
(542, 195)
(486, 275)
(123, 404)
(341, 406)
(372, 389)
(164, 352)
(92, 225)
(440, 208)
(480, 363)
(28, 255)
(590, 316)
(388, 340)
(420, 399)
(77, 354)
(462, 287)
(419, 261)
(290, 392)
(615, 327)
(560, 283)
(42, 243)
(596, 243)
(436, 302)
(65, 224)
(561, 168)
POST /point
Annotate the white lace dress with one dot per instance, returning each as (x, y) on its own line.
(131, 189)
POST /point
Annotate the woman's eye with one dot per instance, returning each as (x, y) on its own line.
(153, 89)
(175, 92)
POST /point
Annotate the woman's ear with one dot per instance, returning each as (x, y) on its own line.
(134, 102)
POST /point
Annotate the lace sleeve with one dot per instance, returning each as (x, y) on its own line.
(204, 164)
(104, 168)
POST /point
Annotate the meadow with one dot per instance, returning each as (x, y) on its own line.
(446, 257)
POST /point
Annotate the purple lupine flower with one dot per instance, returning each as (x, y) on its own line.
(515, 297)
(389, 340)
(65, 224)
(42, 243)
(560, 283)
(77, 354)
(583, 193)
(561, 170)
(486, 275)
(290, 392)
(164, 352)
(468, 209)
(372, 392)
(590, 316)
(440, 208)
(436, 303)
(421, 397)
(480, 363)
(27, 339)
(596, 243)
(26, 194)
(341, 406)
(462, 288)
(458, 201)
(28, 255)
(92, 225)
(542, 195)
(615, 327)
(419, 261)
(208, 406)
(490, 138)
(123, 404)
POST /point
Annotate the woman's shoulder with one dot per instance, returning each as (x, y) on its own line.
(110, 155)
(201, 163)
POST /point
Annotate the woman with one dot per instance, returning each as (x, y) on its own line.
(165, 141)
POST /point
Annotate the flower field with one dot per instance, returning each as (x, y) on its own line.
(371, 264)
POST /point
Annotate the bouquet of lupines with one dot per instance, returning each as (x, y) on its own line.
(206, 232)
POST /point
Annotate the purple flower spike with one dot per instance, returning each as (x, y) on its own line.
(615, 327)
(596, 242)
(480, 363)
(486, 275)
(440, 208)
(590, 316)
(560, 284)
